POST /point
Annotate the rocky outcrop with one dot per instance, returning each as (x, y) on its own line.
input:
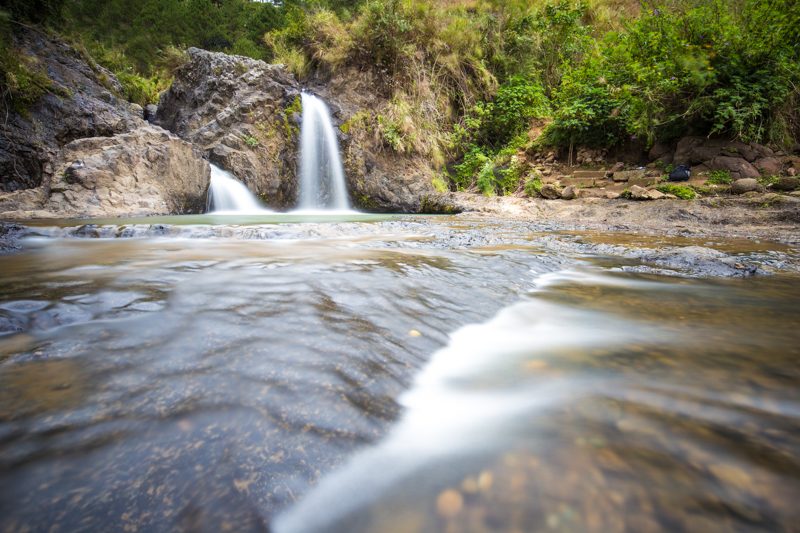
(744, 185)
(382, 181)
(147, 171)
(244, 116)
(737, 167)
(82, 101)
(742, 160)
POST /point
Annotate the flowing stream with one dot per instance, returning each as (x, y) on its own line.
(409, 374)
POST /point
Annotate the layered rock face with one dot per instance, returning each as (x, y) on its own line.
(81, 150)
(82, 102)
(243, 115)
(144, 172)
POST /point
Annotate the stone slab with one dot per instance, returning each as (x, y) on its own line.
(644, 181)
(594, 174)
(627, 175)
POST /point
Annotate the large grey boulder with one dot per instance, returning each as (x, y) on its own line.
(243, 114)
(698, 150)
(147, 171)
(737, 167)
(83, 101)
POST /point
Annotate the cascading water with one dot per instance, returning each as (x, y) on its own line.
(229, 195)
(322, 182)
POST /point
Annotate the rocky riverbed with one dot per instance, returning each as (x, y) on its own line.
(208, 373)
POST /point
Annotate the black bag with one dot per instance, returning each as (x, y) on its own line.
(680, 173)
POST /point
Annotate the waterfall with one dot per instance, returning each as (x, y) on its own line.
(229, 195)
(322, 182)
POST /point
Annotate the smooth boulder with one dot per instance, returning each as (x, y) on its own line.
(742, 186)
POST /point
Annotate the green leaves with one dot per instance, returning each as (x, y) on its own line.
(703, 67)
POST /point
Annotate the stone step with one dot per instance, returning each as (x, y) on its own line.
(586, 174)
(625, 175)
(584, 183)
(644, 181)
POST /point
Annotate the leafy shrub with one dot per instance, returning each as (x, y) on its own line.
(684, 192)
(467, 171)
(391, 134)
(140, 90)
(22, 80)
(486, 178)
(719, 177)
(250, 141)
(722, 70)
(533, 186)
(439, 183)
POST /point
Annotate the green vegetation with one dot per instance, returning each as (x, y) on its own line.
(684, 192)
(719, 177)
(22, 81)
(533, 186)
(472, 85)
(250, 141)
(766, 181)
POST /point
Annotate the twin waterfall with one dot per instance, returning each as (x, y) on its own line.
(322, 183)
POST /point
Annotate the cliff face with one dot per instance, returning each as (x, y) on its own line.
(81, 150)
(243, 115)
(379, 179)
(81, 102)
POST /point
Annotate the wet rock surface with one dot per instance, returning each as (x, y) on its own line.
(243, 114)
(753, 216)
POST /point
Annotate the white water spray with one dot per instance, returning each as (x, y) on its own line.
(322, 182)
(226, 194)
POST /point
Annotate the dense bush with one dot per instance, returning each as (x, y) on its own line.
(715, 67)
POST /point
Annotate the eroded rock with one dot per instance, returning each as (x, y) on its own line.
(83, 101)
(639, 193)
(144, 172)
(550, 191)
(770, 166)
(240, 113)
(738, 167)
